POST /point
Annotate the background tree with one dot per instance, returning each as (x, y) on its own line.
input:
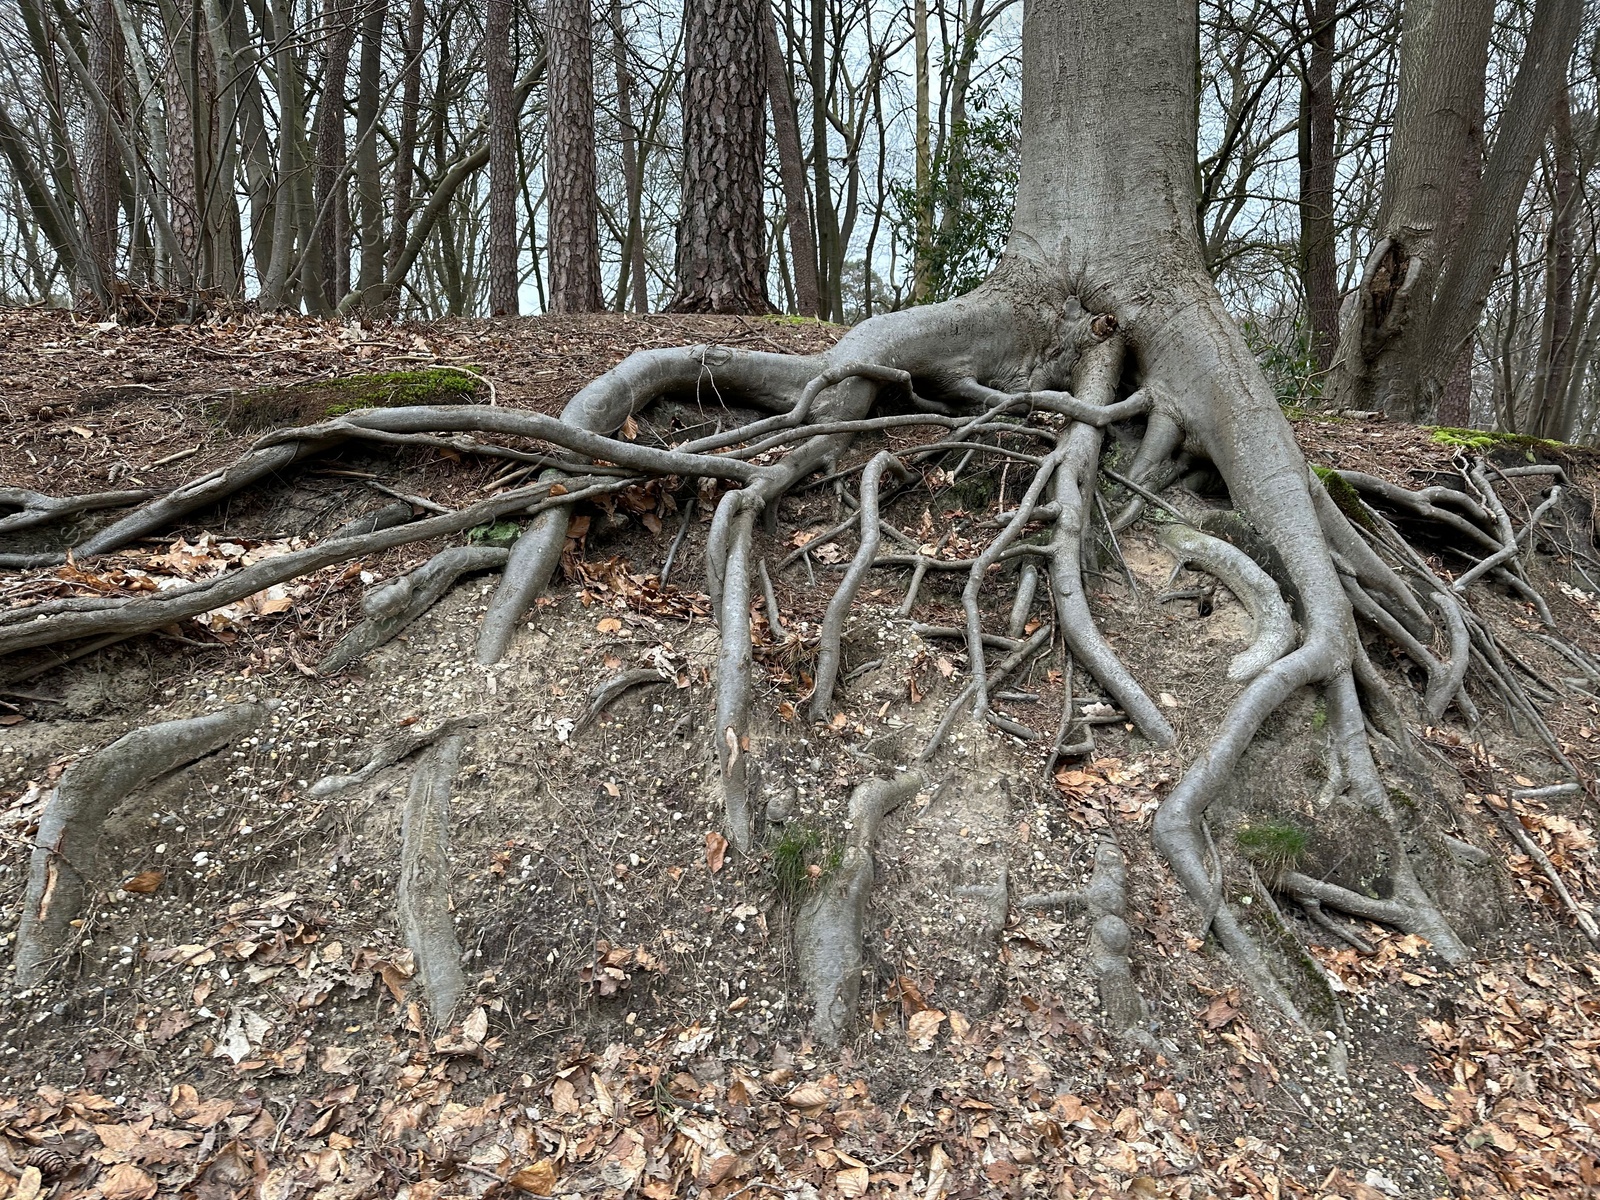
(721, 258)
(573, 245)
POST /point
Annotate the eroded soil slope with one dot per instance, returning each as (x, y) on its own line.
(240, 1013)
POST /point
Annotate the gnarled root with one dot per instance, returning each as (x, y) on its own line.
(395, 605)
(423, 900)
(68, 840)
(1253, 587)
(829, 926)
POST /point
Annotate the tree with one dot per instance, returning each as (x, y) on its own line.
(1442, 230)
(721, 258)
(1319, 265)
(574, 237)
(503, 236)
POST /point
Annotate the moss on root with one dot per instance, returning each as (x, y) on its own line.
(801, 859)
(1345, 498)
(317, 400)
(1483, 440)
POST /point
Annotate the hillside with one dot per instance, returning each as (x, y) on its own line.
(240, 1012)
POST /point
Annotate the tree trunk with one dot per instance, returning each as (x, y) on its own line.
(98, 161)
(573, 239)
(1319, 267)
(369, 184)
(791, 169)
(1552, 413)
(405, 151)
(631, 280)
(504, 236)
(332, 219)
(1422, 291)
(922, 136)
(721, 259)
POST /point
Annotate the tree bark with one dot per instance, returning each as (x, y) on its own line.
(1552, 411)
(504, 238)
(369, 184)
(631, 280)
(405, 151)
(1404, 331)
(791, 169)
(1319, 268)
(98, 160)
(573, 240)
(331, 206)
(721, 259)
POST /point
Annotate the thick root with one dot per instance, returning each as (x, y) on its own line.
(395, 605)
(68, 840)
(829, 925)
(423, 900)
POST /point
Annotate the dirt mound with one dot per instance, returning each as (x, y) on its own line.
(254, 995)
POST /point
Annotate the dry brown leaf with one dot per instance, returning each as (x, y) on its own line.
(716, 851)
(852, 1182)
(476, 1027)
(144, 882)
(127, 1182)
(923, 1027)
(609, 625)
(537, 1180)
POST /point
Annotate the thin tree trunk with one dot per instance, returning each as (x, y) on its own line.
(1553, 414)
(632, 274)
(791, 169)
(369, 184)
(331, 206)
(405, 152)
(504, 236)
(923, 155)
(573, 241)
(98, 160)
(721, 261)
(1319, 267)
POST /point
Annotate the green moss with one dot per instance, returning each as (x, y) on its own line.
(793, 319)
(1488, 439)
(316, 400)
(502, 533)
(1403, 800)
(797, 849)
(1319, 716)
(1345, 498)
(1275, 846)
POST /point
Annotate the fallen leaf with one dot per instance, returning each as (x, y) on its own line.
(852, 1183)
(716, 851)
(537, 1180)
(144, 882)
(476, 1027)
(609, 625)
(923, 1027)
(127, 1182)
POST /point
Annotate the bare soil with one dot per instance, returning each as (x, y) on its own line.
(253, 1024)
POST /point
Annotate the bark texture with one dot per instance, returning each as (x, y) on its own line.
(721, 257)
(1319, 270)
(573, 240)
(1443, 230)
(503, 234)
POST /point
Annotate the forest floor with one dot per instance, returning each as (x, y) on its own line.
(242, 1016)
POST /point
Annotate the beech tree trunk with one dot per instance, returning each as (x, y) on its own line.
(1404, 332)
(721, 259)
(503, 236)
(1319, 268)
(1552, 410)
(369, 184)
(573, 238)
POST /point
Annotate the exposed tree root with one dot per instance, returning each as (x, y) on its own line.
(423, 899)
(1020, 362)
(392, 750)
(395, 605)
(829, 926)
(68, 840)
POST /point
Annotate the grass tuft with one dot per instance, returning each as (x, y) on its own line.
(797, 850)
(1275, 846)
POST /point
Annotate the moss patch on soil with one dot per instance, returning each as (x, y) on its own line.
(317, 400)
